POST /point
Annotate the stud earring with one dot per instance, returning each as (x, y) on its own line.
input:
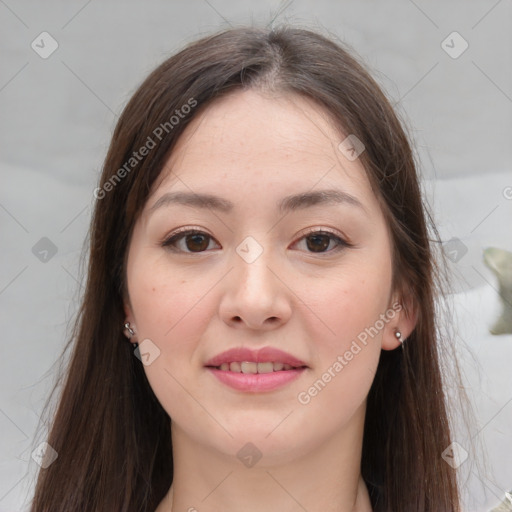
(129, 332)
(398, 336)
(127, 327)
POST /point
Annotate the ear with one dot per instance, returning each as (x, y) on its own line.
(404, 320)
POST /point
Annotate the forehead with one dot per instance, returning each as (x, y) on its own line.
(268, 144)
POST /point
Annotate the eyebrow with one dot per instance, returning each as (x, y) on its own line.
(287, 204)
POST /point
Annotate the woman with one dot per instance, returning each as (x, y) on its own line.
(259, 237)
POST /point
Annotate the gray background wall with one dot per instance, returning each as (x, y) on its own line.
(58, 114)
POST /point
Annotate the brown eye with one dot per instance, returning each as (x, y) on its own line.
(189, 241)
(322, 242)
(318, 243)
(197, 242)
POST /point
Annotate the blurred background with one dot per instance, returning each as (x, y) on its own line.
(68, 69)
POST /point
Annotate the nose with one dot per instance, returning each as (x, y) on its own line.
(255, 295)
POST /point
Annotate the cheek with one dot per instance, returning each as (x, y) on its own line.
(347, 351)
(172, 312)
(169, 305)
(344, 306)
(347, 327)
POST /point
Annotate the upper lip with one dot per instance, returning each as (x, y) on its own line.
(261, 355)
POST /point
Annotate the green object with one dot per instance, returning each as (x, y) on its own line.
(506, 505)
(500, 262)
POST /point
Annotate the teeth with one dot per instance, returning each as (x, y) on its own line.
(265, 367)
(249, 367)
(235, 367)
(252, 367)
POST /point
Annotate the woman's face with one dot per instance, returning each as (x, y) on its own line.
(289, 252)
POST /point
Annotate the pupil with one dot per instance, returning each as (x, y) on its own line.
(319, 243)
(197, 243)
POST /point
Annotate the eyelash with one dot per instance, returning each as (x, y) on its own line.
(178, 235)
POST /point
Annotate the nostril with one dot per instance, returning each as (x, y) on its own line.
(270, 320)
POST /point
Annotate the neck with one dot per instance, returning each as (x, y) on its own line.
(325, 478)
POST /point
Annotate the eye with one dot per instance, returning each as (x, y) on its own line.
(322, 242)
(190, 240)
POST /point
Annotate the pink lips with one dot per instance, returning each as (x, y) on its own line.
(256, 382)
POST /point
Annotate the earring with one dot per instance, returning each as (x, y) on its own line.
(129, 332)
(398, 336)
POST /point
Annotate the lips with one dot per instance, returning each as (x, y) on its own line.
(255, 371)
(264, 360)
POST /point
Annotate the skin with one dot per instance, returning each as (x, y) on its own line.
(253, 149)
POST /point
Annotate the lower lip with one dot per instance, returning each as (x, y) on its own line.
(256, 382)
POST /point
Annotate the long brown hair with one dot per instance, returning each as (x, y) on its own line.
(111, 434)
